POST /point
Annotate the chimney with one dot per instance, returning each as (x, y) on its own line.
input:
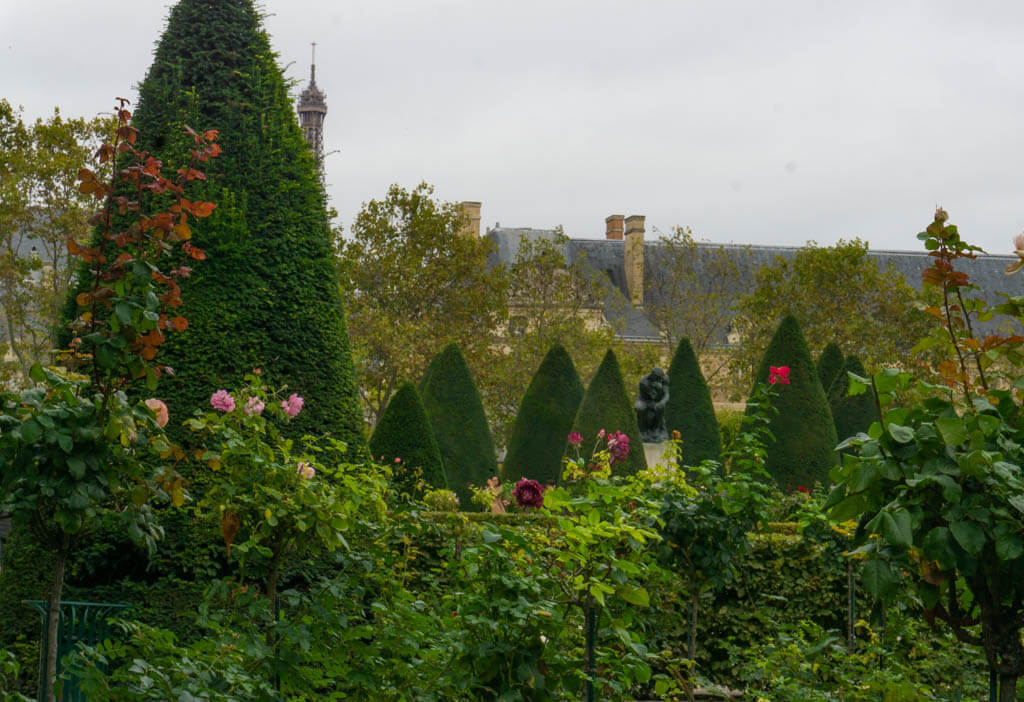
(613, 227)
(471, 212)
(634, 259)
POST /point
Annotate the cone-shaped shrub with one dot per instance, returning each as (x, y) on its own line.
(267, 295)
(852, 414)
(830, 365)
(606, 405)
(544, 420)
(805, 435)
(456, 413)
(404, 433)
(689, 410)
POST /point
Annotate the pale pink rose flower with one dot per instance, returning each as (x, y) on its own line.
(160, 409)
(305, 470)
(293, 405)
(1018, 242)
(254, 405)
(222, 400)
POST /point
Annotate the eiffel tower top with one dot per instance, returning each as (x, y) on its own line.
(312, 99)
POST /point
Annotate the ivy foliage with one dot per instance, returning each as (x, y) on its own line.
(544, 420)
(404, 437)
(606, 406)
(689, 410)
(267, 297)
(805, 434)
(456, 413)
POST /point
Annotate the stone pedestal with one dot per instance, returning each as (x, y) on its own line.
(655, 453)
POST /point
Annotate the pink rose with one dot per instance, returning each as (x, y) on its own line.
(778, 374)
(305, 470)
(575, 439)
(618, 447)
(1018, 242)
(254, 405)
(222, 400)
(293, 405)
(160, 410)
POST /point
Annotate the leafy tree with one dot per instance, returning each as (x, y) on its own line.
(40, 207)
(805, 433)
(689, 410)
(835, 292)
(268, 295)
(606, 406)
(404, 435)
(413, 282)
(456, 413)
(550, 302)
(544, 420)
(937, 483)
(852, 413)
(690, 291)
(74, 448)
(830, 366)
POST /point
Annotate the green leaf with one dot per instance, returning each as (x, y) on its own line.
(901, 433)
(490, 536)
(1009, 546)
(952, 430)
(1017, 501)
(64, 441)
(36, 373)
(878, 578)
(897, 529)
(123, 312)
(849, 508)
(634, 595)
(31, 432)
(76, 466)
(937, 547)
(969, 535)
(106, 356)
(858, 385)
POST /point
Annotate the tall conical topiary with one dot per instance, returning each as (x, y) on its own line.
(805, 435)
(456, 413)
(544, 420)
(852, 414)
(689, 410)
(267, 296)
(404, 433)
(830, 365)
(606, 405)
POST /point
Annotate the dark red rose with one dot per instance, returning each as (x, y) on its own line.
(529, 493)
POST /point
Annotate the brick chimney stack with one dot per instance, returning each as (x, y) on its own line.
(634, 259)
(613, 226)
(471, 211)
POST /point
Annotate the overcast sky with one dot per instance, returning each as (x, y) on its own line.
(751, 122)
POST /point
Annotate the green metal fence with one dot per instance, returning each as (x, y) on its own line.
(80, 622)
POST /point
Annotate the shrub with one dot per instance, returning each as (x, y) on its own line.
(689, 410)
(403, 436)
(805, 434)
(544, 420)
(854, 413)
(830, 365)
(268, 295)
(606, 406)
(456, 413)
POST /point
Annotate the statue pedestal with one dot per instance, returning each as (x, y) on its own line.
(655, 453)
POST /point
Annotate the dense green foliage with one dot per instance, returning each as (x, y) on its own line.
(830, 366)
(689, 410)
(805, 434)
(404, 438)
(544, 420)
(267, 296)
(456, 413)
(606, 406)
(852, 413)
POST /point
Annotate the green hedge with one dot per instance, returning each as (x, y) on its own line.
(805, 434)
(606, 406)
(456, 412)
(544, 420)
(855, 413)
(830, 365)
(404, 432)
(689, 410)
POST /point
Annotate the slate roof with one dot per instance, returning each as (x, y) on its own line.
(606, 256)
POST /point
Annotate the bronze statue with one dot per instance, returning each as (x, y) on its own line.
(650, 406)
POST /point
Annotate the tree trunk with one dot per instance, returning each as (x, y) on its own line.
(1007, 688)
(53, 622)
